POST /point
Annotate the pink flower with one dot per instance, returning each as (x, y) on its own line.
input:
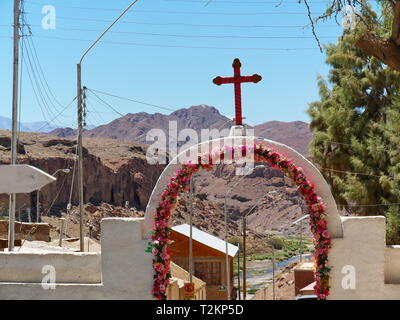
(326, 234)
(165, 256)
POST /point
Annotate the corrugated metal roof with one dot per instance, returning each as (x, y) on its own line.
(206, 239)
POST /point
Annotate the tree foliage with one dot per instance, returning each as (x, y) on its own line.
(356, 127)
(375, 34)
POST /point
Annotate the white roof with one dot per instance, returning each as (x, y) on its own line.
(206, 239)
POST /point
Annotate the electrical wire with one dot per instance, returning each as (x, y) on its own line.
(180, 46)
(73, 175)
(36, 83)
(132, 100)
(58, 193)
(106, 104)
(188, 24)
(198, 36)
(181, 12)
(59, 114)
(243, 2)
(37, 78)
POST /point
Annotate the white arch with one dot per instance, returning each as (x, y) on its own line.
(311, 172)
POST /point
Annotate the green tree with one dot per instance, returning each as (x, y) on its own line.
(355, 125)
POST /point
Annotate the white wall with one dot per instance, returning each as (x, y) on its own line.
(363, 247)
(126, 269)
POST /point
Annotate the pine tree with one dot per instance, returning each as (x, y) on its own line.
(355, 125)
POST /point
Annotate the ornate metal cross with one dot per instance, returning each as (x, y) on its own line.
(237, 80)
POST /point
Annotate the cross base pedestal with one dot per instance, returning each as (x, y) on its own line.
(237, 131)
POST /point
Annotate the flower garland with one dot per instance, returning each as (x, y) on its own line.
(180, 182)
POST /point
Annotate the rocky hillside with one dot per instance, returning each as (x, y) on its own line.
(134, 127)
(277, 202)
(296, 134)
(116, 171)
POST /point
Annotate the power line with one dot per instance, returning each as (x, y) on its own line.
(132, 100)
(42, 73)
(37, 80)
(189, 24)
(180, 46)
(73, 175)
(199, 36)
(106, 103)
(58, 193)
(182, 12)
(94, 114)
(59, 114)
(38, 66)
(370, 205)
(360, 173)
(244, 2)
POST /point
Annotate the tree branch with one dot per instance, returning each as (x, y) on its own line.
(385, 50)
(396, 23)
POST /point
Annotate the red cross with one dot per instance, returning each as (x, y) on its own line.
(237, 79)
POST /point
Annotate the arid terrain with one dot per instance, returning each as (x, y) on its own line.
(118, 174)
(133, 127)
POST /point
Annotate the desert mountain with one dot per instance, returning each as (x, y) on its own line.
(134, 127)
(296, 134)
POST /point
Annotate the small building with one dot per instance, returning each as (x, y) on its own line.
(303, 277)
(209, 261)
(176, 289)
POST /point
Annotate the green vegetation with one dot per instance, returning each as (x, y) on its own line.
(285, 248)
(356, 125)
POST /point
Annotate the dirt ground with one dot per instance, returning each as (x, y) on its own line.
(284, 287)
(92, 216)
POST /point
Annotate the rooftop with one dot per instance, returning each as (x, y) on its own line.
(206, 239)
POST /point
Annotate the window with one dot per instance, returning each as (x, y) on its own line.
(209, 272)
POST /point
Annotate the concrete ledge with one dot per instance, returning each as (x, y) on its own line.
(74, 267)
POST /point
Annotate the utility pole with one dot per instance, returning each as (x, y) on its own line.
(244, 255)
(228, 275)
(273, 271)
(80, 154)
(38, 206)
(238, 262)
(81, 121)
(191, 230)
(12, 204)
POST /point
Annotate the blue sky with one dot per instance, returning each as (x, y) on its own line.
(166, 53)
